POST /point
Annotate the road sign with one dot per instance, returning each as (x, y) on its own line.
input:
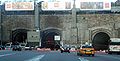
(93, 5)
(56, 37)
(57, 5)
(13, 6)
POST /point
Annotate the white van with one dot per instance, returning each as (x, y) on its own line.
(114, 46)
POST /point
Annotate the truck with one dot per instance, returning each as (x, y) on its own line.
(33, 38)
(114, 46)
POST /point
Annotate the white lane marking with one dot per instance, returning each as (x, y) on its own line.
(83, 59)
(36, 58)
(6, 54)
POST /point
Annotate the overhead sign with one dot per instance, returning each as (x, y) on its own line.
(12, 6)
(57, 5)
(93, 5)
(94, 0)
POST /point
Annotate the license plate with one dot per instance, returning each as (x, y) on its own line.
(88, 50)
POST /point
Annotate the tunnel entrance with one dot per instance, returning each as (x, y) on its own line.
(19, 36)
(48, 40)
(101, 41)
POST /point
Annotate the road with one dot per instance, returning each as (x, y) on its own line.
(53, 56)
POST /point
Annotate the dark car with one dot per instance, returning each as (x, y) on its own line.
(16, 48)
(2, 47)
(65, 49)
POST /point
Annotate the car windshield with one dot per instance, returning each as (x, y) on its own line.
(22, 44)
(27, 46)
(87, 46)
(7, 44)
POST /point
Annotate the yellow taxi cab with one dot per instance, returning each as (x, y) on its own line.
(86, 50)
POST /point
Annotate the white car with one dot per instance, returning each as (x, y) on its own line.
(8, 46)
(73, 49)
(28, 48)
(22, 45)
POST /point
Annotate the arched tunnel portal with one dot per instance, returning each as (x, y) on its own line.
(19, 36)
(48, 38)
(100, 41)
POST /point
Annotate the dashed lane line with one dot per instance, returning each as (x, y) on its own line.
(38, 58)
(6, 54)
(83, 59)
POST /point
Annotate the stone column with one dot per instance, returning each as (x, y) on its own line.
(74, 26)
(37, 18)
(0, 26)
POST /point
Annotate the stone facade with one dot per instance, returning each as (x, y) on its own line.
(90, 24)
(84, 29)
(13, 22)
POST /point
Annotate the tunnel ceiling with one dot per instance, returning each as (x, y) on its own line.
(101, 40)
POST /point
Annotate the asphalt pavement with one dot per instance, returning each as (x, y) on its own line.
(7, 55)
